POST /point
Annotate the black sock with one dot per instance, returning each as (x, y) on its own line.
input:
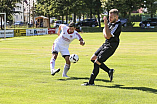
(103, 66)
(94, 73)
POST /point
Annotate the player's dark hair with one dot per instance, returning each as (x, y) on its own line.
(72, 24)
(114, 11)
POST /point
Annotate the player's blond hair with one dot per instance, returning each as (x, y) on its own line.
(114, 11)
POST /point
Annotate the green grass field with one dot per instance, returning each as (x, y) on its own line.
(25, 75)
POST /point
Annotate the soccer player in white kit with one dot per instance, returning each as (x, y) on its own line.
(61, 44)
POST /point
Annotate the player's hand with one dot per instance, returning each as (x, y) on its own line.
(58, 33)
(105, 19)
(82, 43)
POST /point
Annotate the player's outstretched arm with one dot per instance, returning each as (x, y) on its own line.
(58, 33)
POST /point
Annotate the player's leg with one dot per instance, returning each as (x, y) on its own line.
(95, 69)
(52, 64)
(94, 57)
(65, 53)
(53, 59)
(97, 64)
(66, 66)
(103, 56)
(102, 66)
(94, 74)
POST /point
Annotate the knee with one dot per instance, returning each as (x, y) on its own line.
(96, 61)
(94, 57)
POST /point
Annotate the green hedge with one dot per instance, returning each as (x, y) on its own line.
(138, 29)
(124, 29)
(92, 29)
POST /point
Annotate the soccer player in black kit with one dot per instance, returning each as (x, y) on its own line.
(111, 33)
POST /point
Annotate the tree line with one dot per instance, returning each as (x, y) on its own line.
(80, 8)
(90, 8)
(64, 8)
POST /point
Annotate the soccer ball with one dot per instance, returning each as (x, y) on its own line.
(73, 58)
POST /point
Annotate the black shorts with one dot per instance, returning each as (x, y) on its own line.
(65, 56)
(105, 51)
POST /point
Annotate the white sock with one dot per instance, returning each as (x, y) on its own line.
(52, 64)
(66, 68)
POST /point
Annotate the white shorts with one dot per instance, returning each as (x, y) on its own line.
(59, 48)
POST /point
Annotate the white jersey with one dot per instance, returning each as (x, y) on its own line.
(65, 38)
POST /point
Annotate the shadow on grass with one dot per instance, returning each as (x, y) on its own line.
(146, 89)
(86, 78)
(151, 90)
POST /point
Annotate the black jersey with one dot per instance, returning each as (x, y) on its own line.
(115, 29)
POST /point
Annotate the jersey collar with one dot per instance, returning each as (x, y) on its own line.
(68, 32)
(115, 22)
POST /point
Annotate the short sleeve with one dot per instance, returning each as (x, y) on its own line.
(78, 36)
(116, 30)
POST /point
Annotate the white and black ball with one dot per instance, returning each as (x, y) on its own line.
(73, 58)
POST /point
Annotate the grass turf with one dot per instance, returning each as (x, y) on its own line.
(25, 74)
